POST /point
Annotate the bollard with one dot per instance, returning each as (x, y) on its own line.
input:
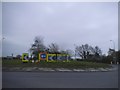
(117, 62)
(111, 62)
(32, 61)
(37, 61)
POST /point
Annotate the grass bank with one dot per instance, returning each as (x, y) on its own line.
(58, 64)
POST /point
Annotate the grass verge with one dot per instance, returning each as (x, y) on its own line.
(57, 64)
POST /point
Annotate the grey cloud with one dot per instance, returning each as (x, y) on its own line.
(64, 23)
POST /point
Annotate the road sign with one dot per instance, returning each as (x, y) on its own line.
(25, 57)
(43, 56)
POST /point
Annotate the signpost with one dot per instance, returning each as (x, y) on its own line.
(43, 56)
(25, 57)
(60, 57)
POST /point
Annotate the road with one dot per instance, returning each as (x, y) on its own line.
(60, 79)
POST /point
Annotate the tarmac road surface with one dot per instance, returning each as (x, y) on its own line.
(60, 79)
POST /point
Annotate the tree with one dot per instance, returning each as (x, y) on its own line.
(37, 46)
(114, 55)
(53, 48)
(86, 51)
(97, 51)
(82, 51)
(111, 52)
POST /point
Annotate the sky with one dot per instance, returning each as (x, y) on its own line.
(65, 23)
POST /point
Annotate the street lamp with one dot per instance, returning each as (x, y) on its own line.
(113, 44)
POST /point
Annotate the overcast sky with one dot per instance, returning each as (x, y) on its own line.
(63, 23)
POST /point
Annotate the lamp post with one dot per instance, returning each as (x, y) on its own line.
(113, 44)
(114, 55)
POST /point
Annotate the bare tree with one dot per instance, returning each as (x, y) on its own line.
(85, 51)
(80, 51)
(111, 51)
(53, 47)
(98, 51)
